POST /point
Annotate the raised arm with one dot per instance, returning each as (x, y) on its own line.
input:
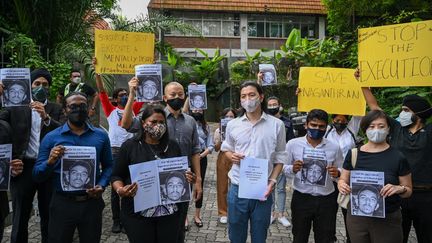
(369, 97)
(126, 121)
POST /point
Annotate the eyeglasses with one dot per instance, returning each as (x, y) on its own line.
(77, 106)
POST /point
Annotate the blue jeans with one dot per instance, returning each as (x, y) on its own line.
(279, 194)
(240, 211)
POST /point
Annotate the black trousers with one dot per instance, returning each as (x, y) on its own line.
(23, 190)
(183, 210)
(66, 215)
(115, 199)
(163, 229)
(318, 212)
(417, 211)
(203, 166)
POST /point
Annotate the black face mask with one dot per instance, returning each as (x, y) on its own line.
(273, 111)
(340, 126)
(197, 116)
(40, 94)
(78, 115)
(176, 103)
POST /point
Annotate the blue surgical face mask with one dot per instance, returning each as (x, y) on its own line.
(123, 101)
(315, 133)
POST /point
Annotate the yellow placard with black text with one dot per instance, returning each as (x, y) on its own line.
(117, 52)
(396, 55)
(334, 90)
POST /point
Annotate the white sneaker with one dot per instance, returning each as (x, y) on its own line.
(223, 220)
(272, 219)
(284, 221)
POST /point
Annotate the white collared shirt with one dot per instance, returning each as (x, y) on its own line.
(345, 139)
(264, 140)
(295, 148)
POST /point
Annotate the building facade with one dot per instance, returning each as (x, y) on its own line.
(236, 26)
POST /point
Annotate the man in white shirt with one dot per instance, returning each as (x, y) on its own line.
(258, 135)
(313, 201)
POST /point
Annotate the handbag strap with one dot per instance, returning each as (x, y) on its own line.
(354, 153)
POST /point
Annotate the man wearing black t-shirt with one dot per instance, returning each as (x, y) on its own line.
(411, 136)
(76, 85)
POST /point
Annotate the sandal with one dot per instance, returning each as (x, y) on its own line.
(186, 227)
(198, 224)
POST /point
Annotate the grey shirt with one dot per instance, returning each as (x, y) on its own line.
(182, 129)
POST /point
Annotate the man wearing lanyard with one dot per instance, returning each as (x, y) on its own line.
(259, 135)
(314, 201)
(80, 210)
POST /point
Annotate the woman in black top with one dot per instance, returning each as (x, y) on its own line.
(377, 155)
(161, 223)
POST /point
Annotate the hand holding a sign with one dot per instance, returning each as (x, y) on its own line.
(390, 190)
(39, 108)
(236, 157)
(343, 187)
(16, 167)
(190, 177)
(95, 192)
(1, 89)
(333, 171)
(133, 85)
(56, 153)
(297, 166)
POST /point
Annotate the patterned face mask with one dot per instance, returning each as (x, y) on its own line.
(155, 131)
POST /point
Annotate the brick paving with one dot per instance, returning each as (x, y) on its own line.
(212, 231)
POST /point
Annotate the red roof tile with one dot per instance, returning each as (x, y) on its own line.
(251, 6)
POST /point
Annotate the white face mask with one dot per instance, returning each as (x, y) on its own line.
(405, 118)
(377, 135)
(76, 80)
(250, 105)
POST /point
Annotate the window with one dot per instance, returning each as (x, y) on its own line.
(210, 24)
(278, 27)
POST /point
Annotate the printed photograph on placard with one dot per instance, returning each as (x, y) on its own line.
(150, 82)
(78, 174)
(269, 74)
(16, 83)
(366, 199)
(223, 125)
(197, 97)
(314, 171)
(173, 187)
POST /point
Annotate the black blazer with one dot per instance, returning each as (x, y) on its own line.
(19, 119)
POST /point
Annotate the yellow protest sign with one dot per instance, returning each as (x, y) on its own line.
(396, 55)
(334, 90)
(117, 52)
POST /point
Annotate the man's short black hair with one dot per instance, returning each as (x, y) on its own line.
(117, 91)
(72, 94)
(177, 174)
(317, 114)
(75, 70)
(82, 163)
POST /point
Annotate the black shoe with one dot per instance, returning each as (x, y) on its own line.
(123, 230)
(116, 228)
